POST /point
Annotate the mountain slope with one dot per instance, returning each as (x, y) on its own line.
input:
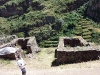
(44, 18)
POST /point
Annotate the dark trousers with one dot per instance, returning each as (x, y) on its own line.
(23, 71)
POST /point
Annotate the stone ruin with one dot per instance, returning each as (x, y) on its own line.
(75, 49)
(28, 44)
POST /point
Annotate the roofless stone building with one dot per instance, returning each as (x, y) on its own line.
(75, 49)
(28, 44)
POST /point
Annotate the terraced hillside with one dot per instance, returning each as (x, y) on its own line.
(84, 28)
(51, 42)
(45, 19)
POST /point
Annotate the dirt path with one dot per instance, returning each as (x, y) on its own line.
(93, 71)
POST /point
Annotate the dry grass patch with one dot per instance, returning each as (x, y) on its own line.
(44, 59)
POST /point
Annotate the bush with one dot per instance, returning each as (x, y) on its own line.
(20, 34)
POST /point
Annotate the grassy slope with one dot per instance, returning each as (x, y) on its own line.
(52, 8)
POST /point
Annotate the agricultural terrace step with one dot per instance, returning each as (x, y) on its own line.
(87, 37)
(54, 39)
(79, 24)
(87, 33)
(78, 27)
(77, 33)
(47, 42)
(85, 30)
(85, 26)
(50, 45)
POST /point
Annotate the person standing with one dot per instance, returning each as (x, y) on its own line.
(21, 64)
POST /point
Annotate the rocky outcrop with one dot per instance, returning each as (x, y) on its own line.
(4, 41)
(93, 10)
(38, 23)
(74, 5)
(37, 6)
(3, 2)
(20, 8)
(46, 20)
(8, 10)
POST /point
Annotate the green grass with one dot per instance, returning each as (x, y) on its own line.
(4, 62)
(43, 59)
(14, 2)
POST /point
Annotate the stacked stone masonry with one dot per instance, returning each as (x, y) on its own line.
(28, 44)
(75, 49)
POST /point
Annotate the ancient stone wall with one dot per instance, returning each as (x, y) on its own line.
(76, 51)
(72, 42)
(23, 42)
(9, 56)
(28, 44)
(32, 45)
(76, 56)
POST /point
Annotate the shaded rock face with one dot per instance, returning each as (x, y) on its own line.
(73, 6)
(46, 20)
(10, 11)
(37, 6)
(3, 2)
(93, 10)
(14, 9)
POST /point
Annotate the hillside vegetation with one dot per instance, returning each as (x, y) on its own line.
(47, 20)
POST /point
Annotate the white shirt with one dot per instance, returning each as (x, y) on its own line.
(21, 63)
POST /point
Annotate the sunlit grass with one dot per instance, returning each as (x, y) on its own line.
(3, 61)
(44, 59)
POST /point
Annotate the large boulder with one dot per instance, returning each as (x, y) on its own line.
(9, 52)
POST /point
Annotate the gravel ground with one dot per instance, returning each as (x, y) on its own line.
(93, 71)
